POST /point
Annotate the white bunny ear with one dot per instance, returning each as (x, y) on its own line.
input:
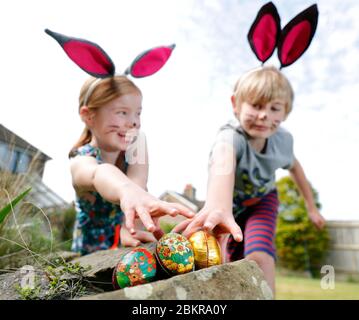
(89, 56)
(150, 61)
(297, 35)
(264, 32)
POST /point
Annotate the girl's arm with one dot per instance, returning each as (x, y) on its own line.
(106, 179)
(297, 173)
(114, 186)
(217, 212)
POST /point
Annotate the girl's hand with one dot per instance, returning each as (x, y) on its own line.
(134, 240)
(317, 219)
(136, 202)
(217, 221)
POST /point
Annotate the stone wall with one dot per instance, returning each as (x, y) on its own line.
(238, 280)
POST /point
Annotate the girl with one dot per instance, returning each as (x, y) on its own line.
(108, 186)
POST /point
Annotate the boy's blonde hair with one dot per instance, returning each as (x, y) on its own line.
(264, 84)
(105, 91)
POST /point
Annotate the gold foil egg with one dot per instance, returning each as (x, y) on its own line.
(206, 249)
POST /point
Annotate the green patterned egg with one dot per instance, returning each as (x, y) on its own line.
(174, 253)
(135, 267)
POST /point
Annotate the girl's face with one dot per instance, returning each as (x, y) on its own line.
(116, 124)
(260, 121)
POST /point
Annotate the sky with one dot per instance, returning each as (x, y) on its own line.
(189, 99)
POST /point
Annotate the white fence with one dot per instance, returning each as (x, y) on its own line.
(344, 246)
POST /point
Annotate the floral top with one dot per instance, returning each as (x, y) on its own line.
(96, 218)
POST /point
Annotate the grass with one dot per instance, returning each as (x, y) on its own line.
(26, 232)
(298, 288)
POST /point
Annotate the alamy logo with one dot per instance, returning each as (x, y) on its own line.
(222, 159)
(136, 150)
(328, 280)
(27, 277)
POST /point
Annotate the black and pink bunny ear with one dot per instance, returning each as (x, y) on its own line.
(264, 32)
(150, 61)
(89, 56)
(297, 35)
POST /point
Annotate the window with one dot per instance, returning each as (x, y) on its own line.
(12, 164)
(12, 160)
(23, 163)
(4, 155)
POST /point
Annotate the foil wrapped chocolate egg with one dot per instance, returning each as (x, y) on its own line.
(174, 254)
(135, 267)
(206, 249)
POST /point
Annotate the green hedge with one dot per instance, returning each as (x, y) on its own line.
(300, 245)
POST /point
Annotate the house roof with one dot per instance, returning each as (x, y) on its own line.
(42, 196)
(198, 203)
(11, 138)
(180, 199)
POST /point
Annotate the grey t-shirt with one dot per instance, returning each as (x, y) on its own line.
(255, 171)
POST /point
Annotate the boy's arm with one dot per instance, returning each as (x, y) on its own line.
(297, 173)
(217, 215)
(301, 181)
(221, 177)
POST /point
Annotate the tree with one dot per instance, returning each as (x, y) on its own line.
(300, 245)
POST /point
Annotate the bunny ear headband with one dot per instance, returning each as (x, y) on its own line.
(91, 58)
(292, 41)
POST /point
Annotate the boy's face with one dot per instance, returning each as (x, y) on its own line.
(260, 120)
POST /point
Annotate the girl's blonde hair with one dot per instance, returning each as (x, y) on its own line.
(264, 84)
(105, 91)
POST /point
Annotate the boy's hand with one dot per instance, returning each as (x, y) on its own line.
(219, 222)
(136, 202)
(317, 219)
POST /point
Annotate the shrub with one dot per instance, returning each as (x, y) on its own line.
(17, 236)
(62, 222)
(25, 230)
(300, 245)
(167, 226)
(24, 242)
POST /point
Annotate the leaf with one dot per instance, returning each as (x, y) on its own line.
(6, 210)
